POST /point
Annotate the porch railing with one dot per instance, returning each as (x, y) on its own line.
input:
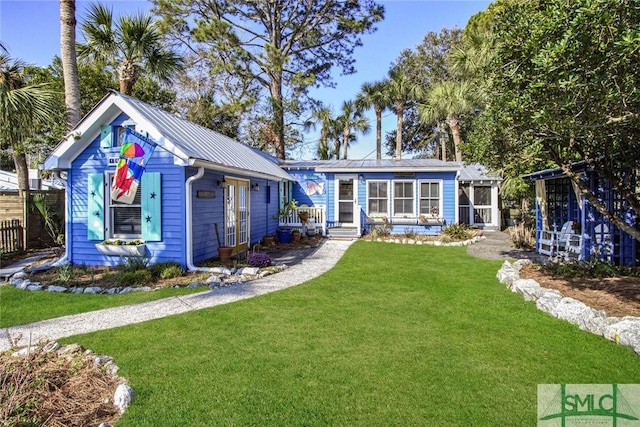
(317, 218)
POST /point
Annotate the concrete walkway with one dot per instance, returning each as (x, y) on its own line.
(498, 246)
(315, 264)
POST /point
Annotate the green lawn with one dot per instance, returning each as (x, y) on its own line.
(18, 307)
(394, 335)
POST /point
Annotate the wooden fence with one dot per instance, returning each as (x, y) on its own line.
(19, 211)
(11, 236)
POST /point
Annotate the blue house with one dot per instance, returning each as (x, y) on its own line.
(197, 189)
(348, 197)
(568, 226)
(175, 191)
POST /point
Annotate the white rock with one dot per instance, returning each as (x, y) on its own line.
(23, 284)
(52, 346)
(54, 288)
(252, 271)
(528, 288)
(577, 312)
(92, 290)
(194, 285)
(127, 290)
(25, 351)
(548, 301)
(625, 332)
(507, 274)
(35, 287)
(519, 264)
(123, 397)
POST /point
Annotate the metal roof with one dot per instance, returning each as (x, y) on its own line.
(201, 143)
(195, 145)
(374, 165)
(476, 172)
(580, 166)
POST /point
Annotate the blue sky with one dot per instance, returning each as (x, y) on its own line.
(31, 32)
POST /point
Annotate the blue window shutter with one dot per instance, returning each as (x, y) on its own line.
(95, 207)
(105, 136)
(151, 207)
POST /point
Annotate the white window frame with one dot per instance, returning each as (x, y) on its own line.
(413, 198)
(110, 217)
(440, 197)
(388, 198)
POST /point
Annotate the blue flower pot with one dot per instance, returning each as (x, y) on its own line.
(284, 235)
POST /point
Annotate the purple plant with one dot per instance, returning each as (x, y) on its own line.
(258, 259)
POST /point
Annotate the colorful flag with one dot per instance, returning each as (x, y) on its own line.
(135, 152)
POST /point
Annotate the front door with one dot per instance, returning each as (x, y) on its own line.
(345, 200)
(236, 215)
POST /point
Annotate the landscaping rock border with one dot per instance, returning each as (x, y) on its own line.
(621, 330)
(407, 241)
(219, 278)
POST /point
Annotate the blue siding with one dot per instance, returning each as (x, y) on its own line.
(94, 159)
(308, 181)
(206, 213)
(264, 207)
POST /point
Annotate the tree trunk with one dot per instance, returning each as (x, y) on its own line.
(400, 113)
(69, 62)
(454, 125)
(22, 171)
(345, 142)
(378, 134)
(127, 77)
(442, 141)
(275, 88)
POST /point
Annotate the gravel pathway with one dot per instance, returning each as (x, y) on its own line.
(315, 264)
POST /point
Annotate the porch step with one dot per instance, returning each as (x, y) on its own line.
(342, 233)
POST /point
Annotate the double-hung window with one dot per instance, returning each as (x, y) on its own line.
(377, 198)
(403, 198)
(430, 198)
(125, 220)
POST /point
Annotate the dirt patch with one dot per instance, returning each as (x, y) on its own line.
(617, 296)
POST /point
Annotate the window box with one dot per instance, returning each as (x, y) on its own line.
(121, 248)
(404, 220)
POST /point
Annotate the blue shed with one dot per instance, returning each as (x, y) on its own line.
(187, 187)
(568, 226)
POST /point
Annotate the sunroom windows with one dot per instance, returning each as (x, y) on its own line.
(378, 200)
(407, 198)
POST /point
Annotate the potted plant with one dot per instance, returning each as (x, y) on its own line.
(284, 233)
(296, 235)
(268, 240)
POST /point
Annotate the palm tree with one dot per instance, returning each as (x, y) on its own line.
(374, 95)
(447, 101)
(22, 106)
(400, 89)
(133, 46)
(350, 121)
(324, 116)
(69, 62)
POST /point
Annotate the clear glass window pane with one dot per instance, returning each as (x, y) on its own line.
(482, 195)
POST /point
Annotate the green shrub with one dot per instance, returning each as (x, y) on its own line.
(595, 269)
(65, 273)
(456, 232)
(381, 230)
(134, 278)
(133, 263)
(166, 270)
